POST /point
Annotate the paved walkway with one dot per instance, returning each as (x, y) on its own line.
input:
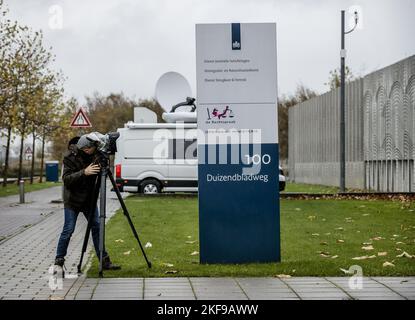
(15, 216)
(298, 288)
(27, 254)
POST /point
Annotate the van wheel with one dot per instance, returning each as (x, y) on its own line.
(150, 187)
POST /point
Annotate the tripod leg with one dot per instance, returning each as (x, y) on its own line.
(102, 200)
(125, 211)
(89, 225)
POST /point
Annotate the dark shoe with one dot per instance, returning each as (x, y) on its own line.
(59, 266)
(59, 262)
(108, 265)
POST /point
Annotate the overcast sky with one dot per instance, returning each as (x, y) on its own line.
(126, 45)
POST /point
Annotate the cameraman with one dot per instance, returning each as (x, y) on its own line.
(79, 176)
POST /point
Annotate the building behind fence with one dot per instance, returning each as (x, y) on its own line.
(380, 131)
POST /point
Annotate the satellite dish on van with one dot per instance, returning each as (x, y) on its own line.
(171, 89)
(173, 93)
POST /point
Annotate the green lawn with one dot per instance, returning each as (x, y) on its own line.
(12, 189)
(309, 188)
(310, 234)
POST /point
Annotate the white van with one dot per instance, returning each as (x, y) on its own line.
(138, 170)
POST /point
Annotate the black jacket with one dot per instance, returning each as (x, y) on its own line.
(78, 188)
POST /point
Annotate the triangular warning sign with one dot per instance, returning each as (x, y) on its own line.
(80, 120)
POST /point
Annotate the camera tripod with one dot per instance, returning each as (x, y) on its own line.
(100, 190)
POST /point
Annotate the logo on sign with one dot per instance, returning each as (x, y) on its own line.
(236, 36)
(220, 115)
(225, 113)
(236, 45)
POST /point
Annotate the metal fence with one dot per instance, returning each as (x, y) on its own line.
(388, 104)
(379, 133)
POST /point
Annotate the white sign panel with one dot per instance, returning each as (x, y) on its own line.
(238, 142)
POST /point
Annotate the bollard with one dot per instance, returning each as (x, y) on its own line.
(21, 190)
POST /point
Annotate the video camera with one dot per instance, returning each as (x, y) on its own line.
(106, 143)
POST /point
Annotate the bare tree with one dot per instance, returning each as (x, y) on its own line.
(10, 79)
(33, 59)
(334, 78)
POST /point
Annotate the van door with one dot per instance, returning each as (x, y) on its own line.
(182, 163)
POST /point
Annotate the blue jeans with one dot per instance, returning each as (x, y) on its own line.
(68, 228)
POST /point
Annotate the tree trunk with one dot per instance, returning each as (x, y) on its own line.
(32, 169)
(21, 159)
(6, 161)
(42, 157)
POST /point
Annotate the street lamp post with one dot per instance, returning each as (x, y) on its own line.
(343, 103)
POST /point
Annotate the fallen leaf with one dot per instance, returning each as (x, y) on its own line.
(377, 238)
(170, 272)
(346, 271)
(315, 234)
(324, 255)
(126, 253)
(398, 249)
(323, 243)
(148, 245)
(399, 242)
(367, 243)
(405, 254)
(360, 258)
(190, 242)
(283, 276)
(396, 236)
(119, 240)
(388, 264)
(371, 257)
(194, 253)
(340, 241)
(340, 228)
(169, 265)
(334, 257)
(366, 214)
(367, 248)
(380, 254)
